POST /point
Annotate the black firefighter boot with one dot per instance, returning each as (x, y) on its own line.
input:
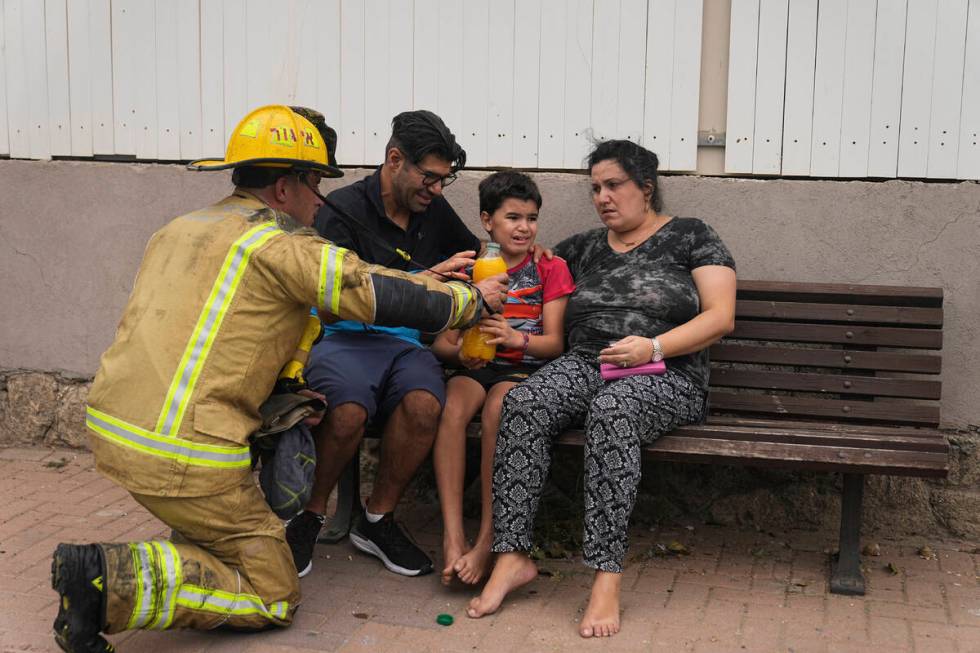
(78, 575)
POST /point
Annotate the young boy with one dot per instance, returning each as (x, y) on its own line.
(528, 333)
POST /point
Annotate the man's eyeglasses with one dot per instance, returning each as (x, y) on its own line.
(430, 179)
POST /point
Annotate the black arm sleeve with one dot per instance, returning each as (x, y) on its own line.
(401, 303)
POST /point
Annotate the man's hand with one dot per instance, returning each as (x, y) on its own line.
(452, 268)
(493, 289)
(472, 363)
(537, 251)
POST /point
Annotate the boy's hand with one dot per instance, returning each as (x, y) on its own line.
(537, 251)
(453, 266)
(503, 335)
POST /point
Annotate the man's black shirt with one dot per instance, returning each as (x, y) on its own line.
(432, 236)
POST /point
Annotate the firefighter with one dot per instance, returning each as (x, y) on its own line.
(218, 307)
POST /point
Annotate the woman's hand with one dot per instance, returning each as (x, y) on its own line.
(628, 352)
(501, 332)
(537, 251)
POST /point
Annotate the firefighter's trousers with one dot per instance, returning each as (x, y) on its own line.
(229, 565)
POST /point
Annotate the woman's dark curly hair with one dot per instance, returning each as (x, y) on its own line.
(638, 162)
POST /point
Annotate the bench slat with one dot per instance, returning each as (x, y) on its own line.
(805, 311)
(805, 457)
(798, 435)
(826, 433)
(840, 293)
(839, 358)
(799, 456)
(832, 383)
(835, 427)
(839, 334)
(887, 412)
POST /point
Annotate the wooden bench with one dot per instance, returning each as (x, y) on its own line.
(817, 377)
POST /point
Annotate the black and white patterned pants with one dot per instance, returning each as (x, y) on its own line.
(620, 417)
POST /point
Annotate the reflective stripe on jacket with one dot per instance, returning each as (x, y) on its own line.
(218, 307)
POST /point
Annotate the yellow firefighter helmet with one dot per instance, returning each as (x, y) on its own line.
(278, 136)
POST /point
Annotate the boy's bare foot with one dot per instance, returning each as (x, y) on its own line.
(512, 570)
(452, 551)
(472, 566)
(601, 617)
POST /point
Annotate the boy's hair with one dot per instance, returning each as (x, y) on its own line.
(420, 133)
(504, 185)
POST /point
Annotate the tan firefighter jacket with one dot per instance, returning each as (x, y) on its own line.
(218, 307)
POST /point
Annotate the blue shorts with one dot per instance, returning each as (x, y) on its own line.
(373, 370)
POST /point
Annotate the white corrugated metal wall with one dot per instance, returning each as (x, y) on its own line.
(523, 83)
(855, 88)
(835, 88)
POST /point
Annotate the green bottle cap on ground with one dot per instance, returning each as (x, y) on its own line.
(445, 620)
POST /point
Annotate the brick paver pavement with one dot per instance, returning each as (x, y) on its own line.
(734, 591)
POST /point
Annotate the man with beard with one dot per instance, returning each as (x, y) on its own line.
(369, 373)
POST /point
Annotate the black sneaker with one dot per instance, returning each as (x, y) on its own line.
(78, 575)
(301, 533)
(386, 540)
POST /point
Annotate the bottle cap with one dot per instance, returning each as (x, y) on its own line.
(444, 619)
(493, 249)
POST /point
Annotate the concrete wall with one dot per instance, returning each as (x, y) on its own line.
(71, 236)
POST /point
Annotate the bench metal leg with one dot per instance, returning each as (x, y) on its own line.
(348, 502)
(845, 576)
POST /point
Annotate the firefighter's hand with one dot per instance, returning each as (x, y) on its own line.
(453, 267)
(315, 418)
(494, 289)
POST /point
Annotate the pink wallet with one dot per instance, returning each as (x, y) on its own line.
(611, 372)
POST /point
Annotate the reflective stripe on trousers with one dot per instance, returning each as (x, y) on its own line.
(161, 589)
(230, 565)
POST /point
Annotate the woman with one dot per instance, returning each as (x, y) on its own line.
(649, 286)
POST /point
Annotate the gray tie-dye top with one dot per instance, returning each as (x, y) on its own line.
(644, 292)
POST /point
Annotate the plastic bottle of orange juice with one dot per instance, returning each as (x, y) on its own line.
(474, 341)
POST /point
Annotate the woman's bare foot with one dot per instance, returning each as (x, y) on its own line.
(472, 566)
(601, 618)
(452, 551)
(511, 570)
